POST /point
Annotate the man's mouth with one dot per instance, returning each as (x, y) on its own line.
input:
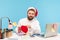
(30, 17)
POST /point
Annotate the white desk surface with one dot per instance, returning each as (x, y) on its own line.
(26, 37)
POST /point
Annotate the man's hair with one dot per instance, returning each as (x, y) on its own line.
(30, 10)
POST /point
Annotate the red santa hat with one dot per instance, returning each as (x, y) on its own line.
(36, 11)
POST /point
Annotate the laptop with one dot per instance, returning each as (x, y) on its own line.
(51, 31)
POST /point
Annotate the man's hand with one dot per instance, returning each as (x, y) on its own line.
(19, 29)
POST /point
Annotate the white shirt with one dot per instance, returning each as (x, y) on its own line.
(33, 23)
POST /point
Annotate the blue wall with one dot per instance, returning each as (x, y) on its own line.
(49, 10)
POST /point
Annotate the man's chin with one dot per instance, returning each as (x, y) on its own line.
(30, 19)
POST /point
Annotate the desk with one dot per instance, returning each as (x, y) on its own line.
(26, 37)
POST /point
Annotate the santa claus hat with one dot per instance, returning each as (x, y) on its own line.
(33, 9)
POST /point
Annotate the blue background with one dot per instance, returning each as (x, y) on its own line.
(49, 10)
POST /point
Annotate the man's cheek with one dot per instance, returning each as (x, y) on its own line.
(28, 15)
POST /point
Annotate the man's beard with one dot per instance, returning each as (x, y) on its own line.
(30, 18)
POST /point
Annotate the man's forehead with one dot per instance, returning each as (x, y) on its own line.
(31, 10)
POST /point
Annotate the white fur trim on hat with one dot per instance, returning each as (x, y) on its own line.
(31, 8)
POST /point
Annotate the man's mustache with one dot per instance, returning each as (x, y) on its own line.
(30, 16)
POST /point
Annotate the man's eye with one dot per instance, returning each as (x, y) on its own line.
(32, 13)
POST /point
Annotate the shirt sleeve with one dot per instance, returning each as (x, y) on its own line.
(37, 28)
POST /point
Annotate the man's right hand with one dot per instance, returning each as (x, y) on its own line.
(19, 29)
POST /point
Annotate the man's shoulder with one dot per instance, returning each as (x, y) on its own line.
(36, 20)
(23, 19)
